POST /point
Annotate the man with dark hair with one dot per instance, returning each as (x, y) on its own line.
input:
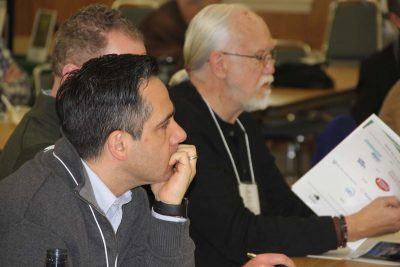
(84, 195)
(93, 31)
(378, 73)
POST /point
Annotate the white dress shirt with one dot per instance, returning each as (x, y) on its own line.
(112, 205)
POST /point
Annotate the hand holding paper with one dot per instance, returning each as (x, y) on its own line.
(358, 179)
(379, 217)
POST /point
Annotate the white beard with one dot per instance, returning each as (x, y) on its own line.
(258, 102)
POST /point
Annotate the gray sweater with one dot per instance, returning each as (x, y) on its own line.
(41, 207)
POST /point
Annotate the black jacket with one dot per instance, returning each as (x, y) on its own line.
(222, 228)
(38, 129)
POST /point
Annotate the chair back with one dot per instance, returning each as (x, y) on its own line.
(135, 10)
(42, 77)
(289, 51)
(354, 30)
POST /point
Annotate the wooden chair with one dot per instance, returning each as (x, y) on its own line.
(289, 51)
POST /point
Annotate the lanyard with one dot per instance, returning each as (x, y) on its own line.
(227, 147)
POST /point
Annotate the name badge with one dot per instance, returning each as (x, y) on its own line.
(249, 194)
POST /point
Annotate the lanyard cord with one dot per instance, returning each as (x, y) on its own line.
(246, 138)
(91, 209)
(227, 147)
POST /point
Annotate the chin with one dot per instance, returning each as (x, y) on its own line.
(256, 104)
(260, 100)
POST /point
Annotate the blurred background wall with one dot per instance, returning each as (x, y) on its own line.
(308, 26)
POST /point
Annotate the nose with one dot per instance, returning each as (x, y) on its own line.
(269, 68)
(178, 134)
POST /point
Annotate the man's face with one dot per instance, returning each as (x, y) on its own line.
(149, 156)
(249, 80)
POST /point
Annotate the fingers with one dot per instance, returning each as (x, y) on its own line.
(190, 152)
(389, 201)
(173, 190)
(277, 259)
(270, 260)
(381, 216)
(183, 167)
(189, 149)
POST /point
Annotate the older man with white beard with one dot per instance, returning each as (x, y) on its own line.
(239, 201)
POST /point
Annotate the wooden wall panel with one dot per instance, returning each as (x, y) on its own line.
(25, 11)
(306, 27)
(309, 28)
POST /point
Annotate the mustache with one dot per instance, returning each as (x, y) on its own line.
(267, 79)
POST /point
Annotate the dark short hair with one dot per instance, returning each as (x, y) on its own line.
(83, 35)
(104, 96)
(394, 6)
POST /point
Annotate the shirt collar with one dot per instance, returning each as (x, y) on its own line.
(104, 197)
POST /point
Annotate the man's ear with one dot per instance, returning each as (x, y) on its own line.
(68, 68)
(117, 145)
(394, 19)
(217, 64)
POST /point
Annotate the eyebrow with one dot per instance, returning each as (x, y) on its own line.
(266, 50)
(169, 116)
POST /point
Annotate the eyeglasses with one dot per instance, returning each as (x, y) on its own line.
(267, 57)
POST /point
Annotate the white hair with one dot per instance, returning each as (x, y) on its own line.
(208, 31)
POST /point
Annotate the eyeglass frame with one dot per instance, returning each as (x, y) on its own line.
(267, 58)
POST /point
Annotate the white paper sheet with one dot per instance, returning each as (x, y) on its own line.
(362, 167)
